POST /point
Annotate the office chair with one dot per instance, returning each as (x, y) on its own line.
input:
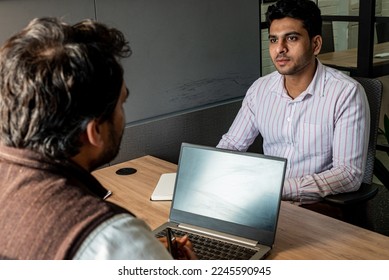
(351, 207)
(382, 29)
(328, 37)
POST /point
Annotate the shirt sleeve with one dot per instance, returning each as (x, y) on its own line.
(122, 237)
(243, 130)
(349, 153)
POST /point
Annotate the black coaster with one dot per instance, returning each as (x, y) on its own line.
(126, 171)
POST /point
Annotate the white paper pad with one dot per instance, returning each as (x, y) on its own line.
(382, 55)
(165, 187)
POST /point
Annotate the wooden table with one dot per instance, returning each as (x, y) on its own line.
(347, 59)
(301, 233)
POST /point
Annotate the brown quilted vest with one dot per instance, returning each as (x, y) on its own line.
(46, 209)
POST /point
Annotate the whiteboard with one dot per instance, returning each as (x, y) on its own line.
(186, 53)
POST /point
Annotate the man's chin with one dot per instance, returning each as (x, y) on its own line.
(104, 159)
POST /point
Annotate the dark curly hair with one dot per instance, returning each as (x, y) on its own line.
(305, 10)
(54, 79)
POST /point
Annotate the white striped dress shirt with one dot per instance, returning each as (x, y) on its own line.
(323, 132)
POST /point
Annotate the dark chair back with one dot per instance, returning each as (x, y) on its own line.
(382, 29)
(373, 89)
(328, 37)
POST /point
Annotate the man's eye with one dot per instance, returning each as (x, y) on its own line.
(292, 38)
(272, 40)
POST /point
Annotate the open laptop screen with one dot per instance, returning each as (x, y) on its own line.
(232, 187)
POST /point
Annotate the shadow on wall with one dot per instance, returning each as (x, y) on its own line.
(162, 138)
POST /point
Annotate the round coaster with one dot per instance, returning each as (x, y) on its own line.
(126, 171)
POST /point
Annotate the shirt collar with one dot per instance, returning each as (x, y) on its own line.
(315, 87)
(317, 84)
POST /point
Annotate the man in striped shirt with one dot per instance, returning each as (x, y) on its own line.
(315, 116)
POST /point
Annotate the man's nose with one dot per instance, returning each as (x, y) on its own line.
(281, 46)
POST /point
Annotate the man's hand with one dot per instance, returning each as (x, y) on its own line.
(183, 247)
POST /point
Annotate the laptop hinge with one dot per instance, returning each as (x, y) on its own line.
(220, 235)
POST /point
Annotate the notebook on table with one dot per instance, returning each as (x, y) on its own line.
(222, 196)
(164, 188)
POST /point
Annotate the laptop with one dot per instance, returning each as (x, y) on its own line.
(228, 198)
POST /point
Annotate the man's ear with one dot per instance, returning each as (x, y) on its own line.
(317, 43)
(94, 133)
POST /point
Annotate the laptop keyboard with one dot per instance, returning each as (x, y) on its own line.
(212, 249)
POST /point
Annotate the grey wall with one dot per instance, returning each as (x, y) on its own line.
(192, 60)
(186, 53)
(162, 138)
(15, 14)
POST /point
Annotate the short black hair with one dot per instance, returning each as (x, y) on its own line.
(54, 79)
(305, 10)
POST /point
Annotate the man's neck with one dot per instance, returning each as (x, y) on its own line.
(295, 86)
(298, 83)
